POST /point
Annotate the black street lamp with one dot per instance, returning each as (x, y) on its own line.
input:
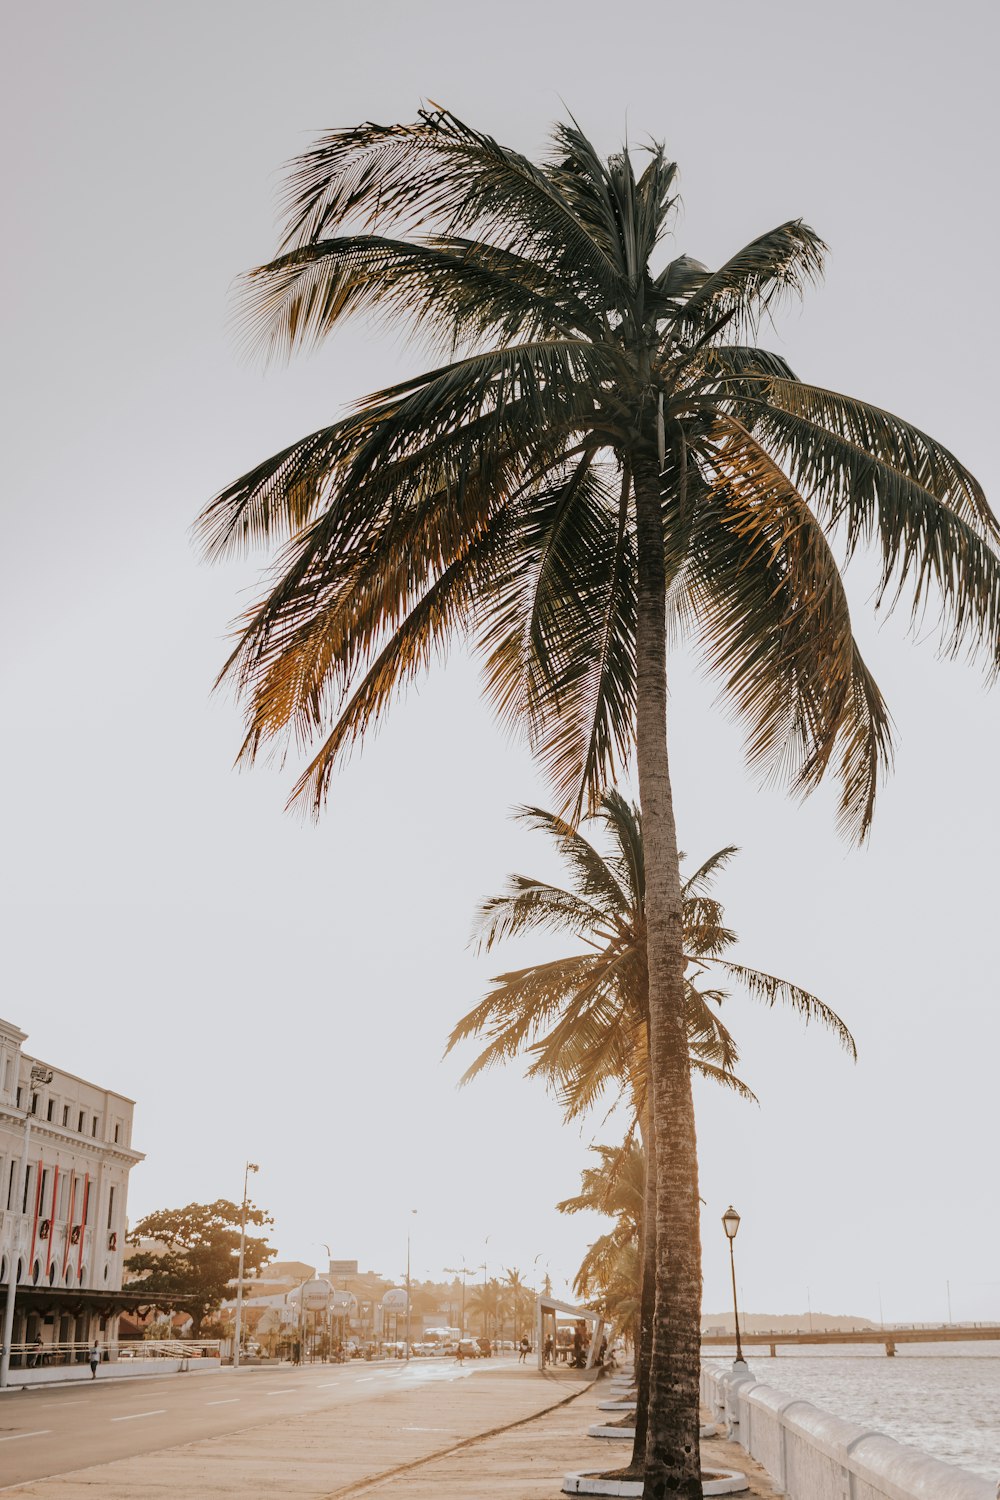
(731, 1223)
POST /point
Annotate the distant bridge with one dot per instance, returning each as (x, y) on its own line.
(948, 1333)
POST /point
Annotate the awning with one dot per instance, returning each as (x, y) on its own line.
(42, 1300)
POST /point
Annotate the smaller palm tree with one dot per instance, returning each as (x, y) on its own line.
(584, 1019)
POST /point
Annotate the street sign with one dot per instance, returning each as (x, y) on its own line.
(343, 1268)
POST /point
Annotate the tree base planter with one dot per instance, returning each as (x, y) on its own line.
(589, 1482)
(600, 1431)
(617, 1405)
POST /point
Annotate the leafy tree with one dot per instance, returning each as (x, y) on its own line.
(197, 1253)
(602, 443)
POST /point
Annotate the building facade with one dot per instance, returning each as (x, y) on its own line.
(63, 1220)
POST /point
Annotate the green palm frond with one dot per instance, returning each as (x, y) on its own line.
(773, 991)
(569, 360)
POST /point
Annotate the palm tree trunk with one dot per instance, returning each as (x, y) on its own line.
(647, 1300)
(672, 1466)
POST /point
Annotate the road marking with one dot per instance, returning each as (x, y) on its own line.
(285, 1391)
(228, 1401)
(160, 1410)
(362, 1378)
(15, 1436)
(327, 1384)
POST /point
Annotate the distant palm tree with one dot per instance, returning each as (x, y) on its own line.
(520, 1296)
(610, 1273)
(584, 1019)
(486, 1304)
(601, 443)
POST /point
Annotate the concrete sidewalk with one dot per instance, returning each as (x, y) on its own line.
(509, 1432)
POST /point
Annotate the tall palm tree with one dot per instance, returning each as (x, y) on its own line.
(601, 441)
(584, 1019)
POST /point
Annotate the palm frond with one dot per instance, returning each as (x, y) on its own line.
(776, 624)
(772, 991)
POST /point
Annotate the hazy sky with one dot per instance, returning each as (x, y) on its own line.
(283, 991)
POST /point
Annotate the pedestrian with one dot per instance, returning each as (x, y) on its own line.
(525, 1350)
(548, 1349)
(95, 1359)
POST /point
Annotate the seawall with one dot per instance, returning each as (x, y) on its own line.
(813, 1455)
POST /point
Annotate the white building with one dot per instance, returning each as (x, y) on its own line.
(62, 1224)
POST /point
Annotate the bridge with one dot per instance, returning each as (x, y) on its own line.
(947, 1333)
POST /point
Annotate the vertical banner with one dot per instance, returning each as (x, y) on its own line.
(34, 1226)
(69, 1224)
(83, 1222)
(52, 1219)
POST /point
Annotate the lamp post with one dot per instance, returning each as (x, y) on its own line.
(731, 1223)
(486, 1254)
(412, 1211)
(463, 1271)
(37, 1078)
(251, 1166)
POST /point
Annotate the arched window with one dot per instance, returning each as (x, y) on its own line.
(36, 1271)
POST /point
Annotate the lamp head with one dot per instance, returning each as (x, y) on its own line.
(730, 1222)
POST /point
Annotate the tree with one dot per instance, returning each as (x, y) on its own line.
(583, 1019)
(611, 1271)
(601, 442)
(520, 1297)
(196, 1254)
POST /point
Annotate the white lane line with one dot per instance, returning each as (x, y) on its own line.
(132, 1416)
(16, 1436)
(362, 1378)
(286, 1391)
(327, 1384)
(227, 1401)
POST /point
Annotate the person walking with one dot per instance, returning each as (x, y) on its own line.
(548, 1349)
(525, 1350)
(95, 1359)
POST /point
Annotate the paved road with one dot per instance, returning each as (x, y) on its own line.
(44, 1432)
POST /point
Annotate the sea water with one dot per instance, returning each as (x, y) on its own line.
(942, 1398)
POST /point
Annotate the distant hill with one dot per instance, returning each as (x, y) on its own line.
(815, 1322)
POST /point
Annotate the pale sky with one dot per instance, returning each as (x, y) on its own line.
(283, 991)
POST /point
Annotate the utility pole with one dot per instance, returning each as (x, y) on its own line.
(37, 1078)
(238, 1326)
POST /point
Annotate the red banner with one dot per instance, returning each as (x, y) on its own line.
(83, 1222)
(69, 1223)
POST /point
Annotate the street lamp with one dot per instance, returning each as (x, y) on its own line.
(251, 1166)
(731, 1223)
(412, 1211)
(462, 1271)
(37, 1078)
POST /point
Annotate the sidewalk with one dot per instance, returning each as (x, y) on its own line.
(454, 1441)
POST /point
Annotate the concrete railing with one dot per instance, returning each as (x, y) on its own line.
(813, 1455)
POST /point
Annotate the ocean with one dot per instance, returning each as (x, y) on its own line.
(943, 1398)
